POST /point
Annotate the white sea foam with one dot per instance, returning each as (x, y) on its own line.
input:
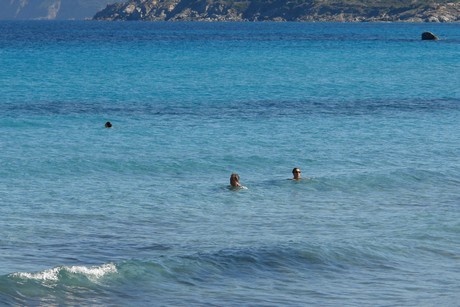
(93, 273)
(51, 274)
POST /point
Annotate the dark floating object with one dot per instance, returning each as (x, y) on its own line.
(428, 36)
(108, 125)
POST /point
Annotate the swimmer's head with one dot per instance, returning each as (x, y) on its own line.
(234, 180)
(108, 125)
(296, 173)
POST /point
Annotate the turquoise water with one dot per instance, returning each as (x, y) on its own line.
(141, 214)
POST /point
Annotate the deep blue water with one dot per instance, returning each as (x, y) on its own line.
(141, 214)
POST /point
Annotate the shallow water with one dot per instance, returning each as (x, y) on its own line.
(141, 213)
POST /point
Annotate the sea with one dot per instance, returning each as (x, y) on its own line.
(141, 214)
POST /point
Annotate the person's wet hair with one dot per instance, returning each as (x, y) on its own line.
(234, 178)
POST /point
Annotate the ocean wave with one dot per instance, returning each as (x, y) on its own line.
(53, 287)
(290, 258)
(262, 258)
(92, 273)
(287, 263)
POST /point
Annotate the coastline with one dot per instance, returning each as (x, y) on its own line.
(186, 10)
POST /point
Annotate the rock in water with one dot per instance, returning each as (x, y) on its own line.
(428, 36)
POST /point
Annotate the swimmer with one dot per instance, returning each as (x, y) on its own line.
(108, 125)
(296, 173)
(235, 182)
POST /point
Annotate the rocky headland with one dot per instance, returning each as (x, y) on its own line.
(284, 10)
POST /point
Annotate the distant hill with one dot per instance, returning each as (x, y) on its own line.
(284, 10)
(51, 9)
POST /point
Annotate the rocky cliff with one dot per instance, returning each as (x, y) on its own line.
(283, 10)
(50, 9)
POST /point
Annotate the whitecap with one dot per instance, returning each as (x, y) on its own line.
(51, 274)
(95, 271)
(92, 273)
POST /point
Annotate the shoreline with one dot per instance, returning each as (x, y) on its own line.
(283, 11)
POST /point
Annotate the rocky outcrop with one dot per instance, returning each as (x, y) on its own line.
(171, 10)
(428, 36)
(282, 10)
